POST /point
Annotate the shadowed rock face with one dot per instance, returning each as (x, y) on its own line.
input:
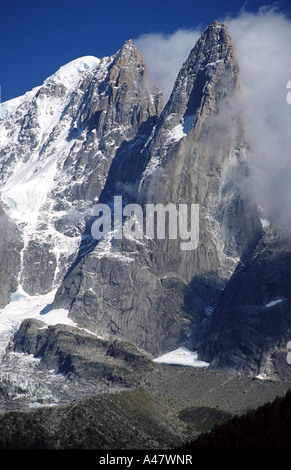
(10, 246)
(250, 328)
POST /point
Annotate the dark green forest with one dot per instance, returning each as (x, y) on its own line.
(268, 427)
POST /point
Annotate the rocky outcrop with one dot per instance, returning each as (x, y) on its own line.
(80, 355)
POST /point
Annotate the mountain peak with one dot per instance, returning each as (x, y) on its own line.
(214, 44)
(129, 42)
(128, 66)
(216, 24)
(95, 133)
(130, 52)
(209, 74)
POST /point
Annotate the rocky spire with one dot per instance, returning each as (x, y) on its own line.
(68, 132)
(122, 98)
(209, 74)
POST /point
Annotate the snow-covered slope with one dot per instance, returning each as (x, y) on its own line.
(34, 131)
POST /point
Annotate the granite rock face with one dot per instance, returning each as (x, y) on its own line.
(96, 130)
(151, 292)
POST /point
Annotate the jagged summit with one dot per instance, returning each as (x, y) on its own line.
(207, 63)
(128, 56)
(129, 49)
(207, 77)
(128, 65)
(129, 45)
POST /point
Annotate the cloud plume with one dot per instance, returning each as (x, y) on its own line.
(165, 54)
(262, 43)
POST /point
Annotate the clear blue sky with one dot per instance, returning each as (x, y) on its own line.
(37, 37)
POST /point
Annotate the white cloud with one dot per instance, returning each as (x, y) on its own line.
(165, 54)
(262, 43)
